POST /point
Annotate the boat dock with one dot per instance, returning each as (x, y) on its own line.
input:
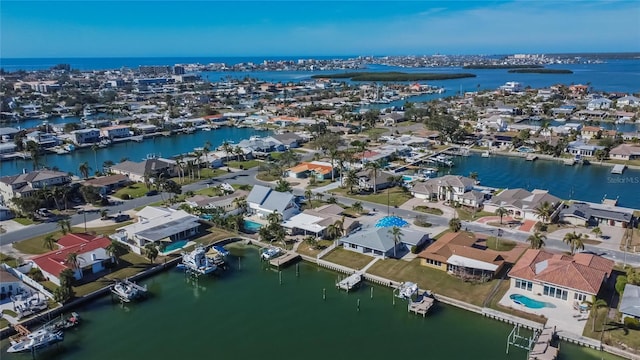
(350, 282)
(543, 347)
(570, 162)
(532, 157)
(422, 306)
(285, 259)
(618, 169)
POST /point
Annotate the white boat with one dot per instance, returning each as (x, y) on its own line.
(486, 154)
(36, 340)
(218, 255)
(127, 290)
(407, 290)
(198, 262)
(270, 253)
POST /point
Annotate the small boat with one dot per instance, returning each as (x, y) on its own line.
(198, 262)
(36, 340)
(65, 323)
(270, 253)
(486, 154)
(407, 290)
(218, 255)
(127, 290)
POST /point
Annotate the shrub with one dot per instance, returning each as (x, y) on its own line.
(36, 274)
(632, 323)
(414, 249)
(125, 197)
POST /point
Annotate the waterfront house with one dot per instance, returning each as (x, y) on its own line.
(625, 152)
(378, 241)
(137, 171)
(90, 252)
(263, 201)
(108, 184)
(586, 214)
(228, 202)
(631, 101)
(521, 203)
(7, 133)
(156, 225)
(26, 184)
(7, 148)
(9, 284)
(580, 148)
(316, 221)
(460, 254)
(115, 132)
(570, 278)
(452, 188)
(43, 139)
(289, 140)
(86, 136)
(599, 104)
(630, 302)
(366, 182)
(316, 169)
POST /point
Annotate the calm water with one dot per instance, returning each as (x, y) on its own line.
(583, 182)
(161, 146)
(246, 314)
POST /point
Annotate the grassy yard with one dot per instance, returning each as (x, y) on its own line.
(210, 191)
(35, 245)
(500, 244)
(247, 164)
(23, 221)
(396, 196)
(319, 184)
(467, 215)
(267, 176)
(134, 191)
(9, 260)
(348, 258)
(306, 249)
(428, 210)
(130, 264)
(613, 333)
(103, 230)
(435, 280)
(376, 132)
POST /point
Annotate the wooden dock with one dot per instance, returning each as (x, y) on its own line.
(532, 157)
(543, 347)
(422, 306)
(350, 282)
(618, 169)
(285, 259)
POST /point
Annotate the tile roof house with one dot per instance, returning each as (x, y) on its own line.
(630, 302)
(459, 254)
(522, 203)
(263, 201)
(26, 184)
(625, 152)
(91, 254)
(573, 279)
(453, 188)
(378, 241)
(316, 169)
(156, 224)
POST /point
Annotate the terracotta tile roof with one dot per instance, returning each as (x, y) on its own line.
(75, 239)
(54, 262)
(307, 166)
(583, 272)
(460, 244)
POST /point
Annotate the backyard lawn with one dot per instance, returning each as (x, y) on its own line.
(247, 164)
(306, 249)
(348, 258)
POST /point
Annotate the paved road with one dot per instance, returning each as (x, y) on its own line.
(248, 177)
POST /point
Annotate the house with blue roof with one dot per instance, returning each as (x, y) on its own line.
(263, 201)
(378, 241)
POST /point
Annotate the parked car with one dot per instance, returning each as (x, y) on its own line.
(152, 193)
(121, 217)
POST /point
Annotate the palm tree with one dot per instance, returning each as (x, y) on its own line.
(374, 166)
(95, 148)
(574, 241)
(336, 229)
(544, 211)
(455, 224)
(501, 212)
(537, 240)
(57, 192)
(227, 148)
(333, 154)
(106, 166)
(34, 150)
(357, 207)
(595, 304)
(397, 234)
(84, 169)
(283, 186)
(151, 251)
(48, 242)
(596, 230)
(351, 180)
(116, 249)
(473, 175)
(309, 194)
(73, 260)
(65, 226)
(239, 152)
(274, 218)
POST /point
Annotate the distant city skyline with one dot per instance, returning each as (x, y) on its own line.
(148, 28)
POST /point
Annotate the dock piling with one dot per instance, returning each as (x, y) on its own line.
(297, 269)
(372, 292)
(280, 276)
(324, 293)
(358, 305)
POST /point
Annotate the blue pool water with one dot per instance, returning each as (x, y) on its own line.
(525, 149)
(206, 216)
(525, 301)
(251, 226)
(175, 245)
(406, 178)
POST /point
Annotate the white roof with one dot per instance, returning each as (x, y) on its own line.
(305, 222)
(471, 263)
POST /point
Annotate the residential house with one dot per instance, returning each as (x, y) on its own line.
(289, 140)
(115, 132)
(391, 119)
(452, 188)
(630, 302)
(378, 241)
(599, 104)
(585, 214)
(228, 202)
(151, 168)
(580, 148)
(43, 139)
(8, 133)
(91, 255)
(263, 201)
(157, 224)
(316, 169)
(522, 203)
(366, 182)
(24, 185)
(86, 136)
(108, 184)
(570, 278)
(315, 222)
(460, 254)
(625, 152)
(628, 101)
(9, 284)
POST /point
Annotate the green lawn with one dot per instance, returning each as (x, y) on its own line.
(376, 131)
(23, 221)
(348, 258)
(267, 176)
(34, 245)
(4, 323)
(247, 164)
(210, 191)
(467, 215)
(435, 280)
(130, 264)
(134, 191)
(428, 210)
(104, 230)
(500, 244)
(9, 312)
(319, 183)
(306, 249)
(9, 260)
(396, 196)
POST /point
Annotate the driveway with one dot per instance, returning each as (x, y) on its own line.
(447, 211)
(11, 225)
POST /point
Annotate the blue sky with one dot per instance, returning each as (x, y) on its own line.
(268, 28)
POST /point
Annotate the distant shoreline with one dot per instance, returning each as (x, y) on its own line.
(551, 158)
(540, 71)
(499, 66)
(392, 76)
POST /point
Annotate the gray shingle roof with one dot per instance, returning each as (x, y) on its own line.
(630, 303)
(585, 211)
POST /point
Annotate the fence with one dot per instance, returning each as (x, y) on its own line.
(27, 280)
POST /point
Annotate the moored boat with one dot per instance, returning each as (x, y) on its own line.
(198, 262)
(36, 340)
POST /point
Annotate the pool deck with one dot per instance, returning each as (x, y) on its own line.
(560, 314)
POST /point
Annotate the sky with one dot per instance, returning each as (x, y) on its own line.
(145, 28)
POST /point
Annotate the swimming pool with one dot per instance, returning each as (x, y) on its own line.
(527, 302)
(175, 245)
(525, 149)
(251, 226)
(407, 178)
